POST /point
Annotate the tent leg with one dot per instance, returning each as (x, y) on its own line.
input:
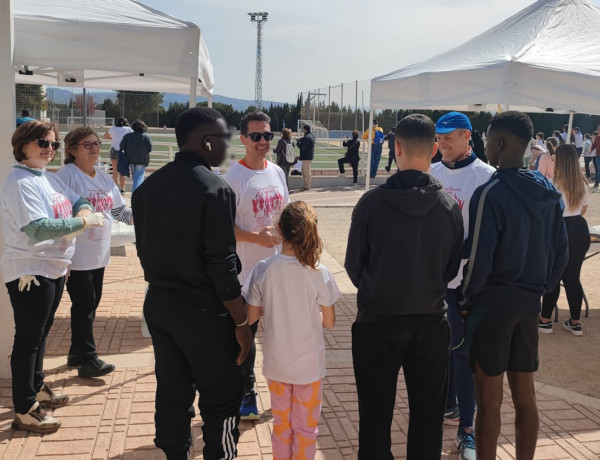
(370, 128)
(210, 100)
(193, 88)
(7, 127)
(571, 113)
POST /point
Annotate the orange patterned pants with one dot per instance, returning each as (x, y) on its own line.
(296, 410)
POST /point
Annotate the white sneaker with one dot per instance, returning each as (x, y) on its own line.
(36, 420)
(49, 399)
(342, 175)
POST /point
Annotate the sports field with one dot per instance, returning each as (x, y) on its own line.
(326, 152)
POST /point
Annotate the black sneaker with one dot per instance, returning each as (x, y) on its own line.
(387, 168)
(545, 328)
(74, 361)
(574, 329)
(95, 368)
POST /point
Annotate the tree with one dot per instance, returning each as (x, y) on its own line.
(140, 105)
(91, 104)
(111, 109)
(30, 97)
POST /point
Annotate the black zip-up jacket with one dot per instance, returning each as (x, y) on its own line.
(306, 145)
(353, 146)
(184, 219)
(404, 247)
(137, 148)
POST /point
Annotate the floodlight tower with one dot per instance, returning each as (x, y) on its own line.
(258, 18)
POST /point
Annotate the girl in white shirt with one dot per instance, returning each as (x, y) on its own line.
(295, 295)
(92, 249)
(575, 193)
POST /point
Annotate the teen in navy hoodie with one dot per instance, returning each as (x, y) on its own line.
(517, 250)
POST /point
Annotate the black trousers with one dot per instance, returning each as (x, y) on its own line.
(85, 289)
(353, 163)
(248, 365)
(587, 161)
(420, 344)
(579, 243)
(195, 350)
(34, 314)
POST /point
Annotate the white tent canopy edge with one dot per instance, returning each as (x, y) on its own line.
(544, 58)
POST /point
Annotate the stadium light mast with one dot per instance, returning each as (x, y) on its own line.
(258, 18)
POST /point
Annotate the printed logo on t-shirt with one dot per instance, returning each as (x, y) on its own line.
(61, 206)
(268, 201)
(100, 200)
(454, 192)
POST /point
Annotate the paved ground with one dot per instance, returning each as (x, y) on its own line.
(112, 417)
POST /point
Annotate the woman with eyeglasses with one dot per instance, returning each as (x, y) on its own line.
(92, 250)
(37, 210)
(137, 147)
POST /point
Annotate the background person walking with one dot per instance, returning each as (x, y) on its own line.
(137, 147)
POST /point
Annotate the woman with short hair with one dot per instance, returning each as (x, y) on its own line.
(92, 249)
(37, 210)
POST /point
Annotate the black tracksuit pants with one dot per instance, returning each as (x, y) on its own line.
(34, 314)
(353, 163)
(85, 289)
(420, 344)
(195, 350)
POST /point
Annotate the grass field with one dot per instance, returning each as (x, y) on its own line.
(326, 154)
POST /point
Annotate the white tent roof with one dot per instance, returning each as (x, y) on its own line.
(107, 44)
(547, 55)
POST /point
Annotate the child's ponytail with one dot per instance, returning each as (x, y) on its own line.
(298, 225)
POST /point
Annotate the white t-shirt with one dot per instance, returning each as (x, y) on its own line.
(92, 249)
(570, 212)
(117, 133)
(260, 197)
(578, 140)
(460, 184)
(290, 294)
(24, 198)
(587, 146)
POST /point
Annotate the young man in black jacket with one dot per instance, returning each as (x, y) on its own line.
(517, 250)
(184, 226)
(401, 264)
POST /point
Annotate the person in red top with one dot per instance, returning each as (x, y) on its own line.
(596, 147)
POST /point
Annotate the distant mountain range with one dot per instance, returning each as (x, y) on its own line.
(63, 96)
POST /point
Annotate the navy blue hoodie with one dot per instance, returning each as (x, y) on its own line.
(404, 247)
(517, 245)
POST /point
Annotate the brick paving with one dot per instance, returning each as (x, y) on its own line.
(112, 417)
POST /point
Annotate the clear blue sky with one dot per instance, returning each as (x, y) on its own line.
(311, 44)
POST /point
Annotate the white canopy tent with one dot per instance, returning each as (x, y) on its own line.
(545, 57)
(112, 44)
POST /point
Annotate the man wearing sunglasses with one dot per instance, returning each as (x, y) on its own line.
(261, 194)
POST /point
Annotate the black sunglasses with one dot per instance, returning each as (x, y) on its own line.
(45, 143)
(255, 137)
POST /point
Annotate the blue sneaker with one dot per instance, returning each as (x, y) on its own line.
(248, 409)
(465, 441)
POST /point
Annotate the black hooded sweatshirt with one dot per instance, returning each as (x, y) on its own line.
(404, 247)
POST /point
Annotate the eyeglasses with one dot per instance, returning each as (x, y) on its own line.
(45, 143)
(89, 145)
(255, 137)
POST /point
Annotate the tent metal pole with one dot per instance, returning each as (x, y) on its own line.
(193, 88)
(85, 107)
(370, 141)
(210, 100)
(571, 114)
(7, 127)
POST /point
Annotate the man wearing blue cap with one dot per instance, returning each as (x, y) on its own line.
(460, 173)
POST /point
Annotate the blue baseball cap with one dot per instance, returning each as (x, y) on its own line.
(452, 121)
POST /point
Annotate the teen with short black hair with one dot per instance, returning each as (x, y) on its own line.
(517, 250)
(401, 281)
